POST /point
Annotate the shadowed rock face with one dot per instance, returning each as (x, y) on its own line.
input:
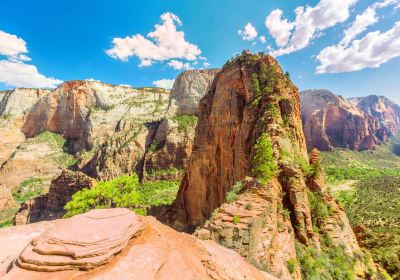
(50, 206)
(115, 244)
(330, 121)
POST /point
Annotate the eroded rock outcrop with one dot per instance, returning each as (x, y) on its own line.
(6, 199)
(330, 121)
(116, 244)
(252, 99)
(50, 206)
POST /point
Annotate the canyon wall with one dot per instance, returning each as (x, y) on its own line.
(330, 121)
(252, 105)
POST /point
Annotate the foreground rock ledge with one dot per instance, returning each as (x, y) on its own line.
(115, 244)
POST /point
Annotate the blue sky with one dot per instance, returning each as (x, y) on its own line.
(44, 42)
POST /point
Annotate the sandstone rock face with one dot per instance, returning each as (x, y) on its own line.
(331, 121)
(116, 244)
(248, 226)
(382, 109)
(6, 199)
(189, 87)
(251, 97)
(51, 205)
(173, 141)
(14, 104)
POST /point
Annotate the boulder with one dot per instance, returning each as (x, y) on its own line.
(117, 244)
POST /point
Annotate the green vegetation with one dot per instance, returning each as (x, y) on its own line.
(343, 165)
(123, 191)
(318, 207)
(296, 161)
(232, 195)
(157, 193)
(6, 217)
(291, 265)
(185, 122)
(166, 171)
(375, 204)
(264, 164)
(371, 200)
(286, 214)
(236, 220)
(331, 263)
(57, 143)
(153, 89)
(53, 139)
(29, 189)
(155, 145)
(6, 116)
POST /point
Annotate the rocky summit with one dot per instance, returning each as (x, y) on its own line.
(247, 185)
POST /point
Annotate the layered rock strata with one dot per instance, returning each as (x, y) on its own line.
(117, 244)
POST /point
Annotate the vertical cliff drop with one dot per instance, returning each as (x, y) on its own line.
(272, 208)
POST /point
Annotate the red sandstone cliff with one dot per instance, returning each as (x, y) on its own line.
(251, 97)
(330, 121)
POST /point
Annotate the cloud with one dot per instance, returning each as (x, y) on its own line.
(164, 83)
(249, 33)
(374, 49)
(309, 21)
(206, 64)
(364, 20)
(13, 71)
(11, 45)
(93, 80)
(262, 39)
(164, 43)
(178, 65)
(19, 74)
(279, 29)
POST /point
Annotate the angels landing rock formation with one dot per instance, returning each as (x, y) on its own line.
(330, 121)
(249, 176)
(115, 244)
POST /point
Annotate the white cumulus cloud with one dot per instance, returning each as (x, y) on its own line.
(294, 35)
(364, 20)
(14, 71)
(11, 45)
(374, 49)
(19, 74)
(279, 29)
(249, 33)
(178, 65)
(262, 39)
(164, 83)
(162, 44)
